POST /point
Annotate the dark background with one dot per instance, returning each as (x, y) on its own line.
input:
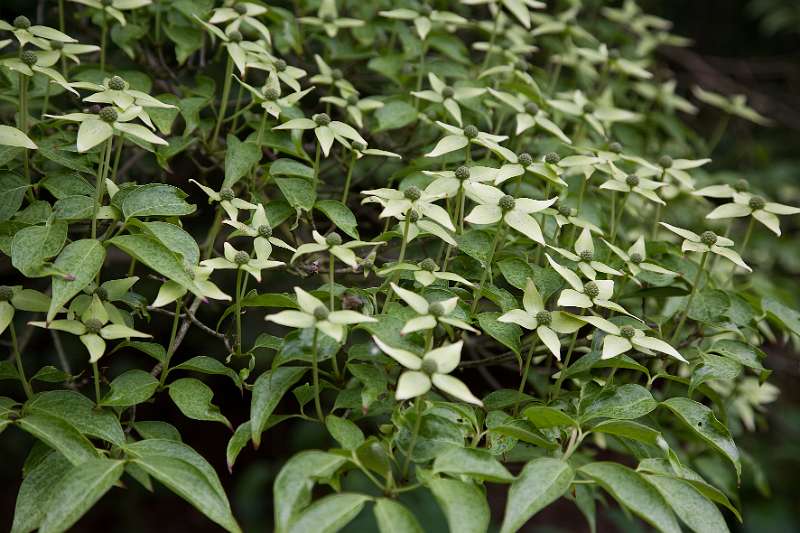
(741, 46)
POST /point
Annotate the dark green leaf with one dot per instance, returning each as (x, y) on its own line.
(541, 482)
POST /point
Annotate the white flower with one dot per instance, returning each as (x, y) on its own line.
(429, 313)
(708, 241)
(238, 259)
(171, 290)
(313, 313)
(494, 205)
(326, 130)
(622, 339)
(745, 204)
(594, 293)
(242, 13)
(547, 324)
(458, 138)
(432, 369)
(354, 106)
(270, 95)
(260, 230)
(449, 97)
(397, 204)
(635, 259)
(528, 114)
(424, 21)
(426, 273)
(584, 256)
(329, 20)
(333, 244)
(632, 183)
(227, 199)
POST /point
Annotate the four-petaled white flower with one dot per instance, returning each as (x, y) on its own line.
(458, 138)
(593, 293)
(313, 313)
(547, 324)
(621, 339)
(528, 114)
(494, 205)
(398, 204)
(635, 259)
(430, 314)
(708, 241)
(745, 204)
(260, 230)
(172, 290)
(242, 13)
(332, 243)
(424, 20)
(448, 96)
(425, 273)
(239, 259)
(270, 95)
(432, 369)
(621, 182)
(227, 200)
(326, 130)
(584, 256)
(329, 20)
(354, 106)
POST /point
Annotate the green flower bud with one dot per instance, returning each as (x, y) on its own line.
(337, 74)
(328, 19)
(564, 210)
(588, 108)
(587, 255)
(108, 114)
(632, 180)
(591, 290)
(531, 108)
(101, 293)
(333, 239)
(429, 366)
(525, 159)
(358, 146)
(93, 326)
(544, 318)
(107, 3)
(428, 264)
(615, 147)
(272, 94)
(29, 58)
(448, 92)
(413, 216)
(352, 99)
(636, 258)
(240, 8)
(280, 65)
(22, 22)
(436, 309)
(412, 193)
(627, 332)
(709, 238)
(426, 9)
(321, 313)
(321, 119)
(552, 158)
(116, 83)
(471, 132)
(6, 293)
(507, 202)
(235, 36)
(462, 173)
(756, 203)
(665, 161)
(226, 194)
(56, 45)
(241, 258)
(613, 54)
(265, 230)
(741, 185)
(523, 65)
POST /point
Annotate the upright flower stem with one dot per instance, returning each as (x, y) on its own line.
(331, 279)
(96, 373)
(525, 371)
(261, 129)
(23, 118)
(171, 346)
(421, 66)
(349, 177)
(400, 259)
(695, 284)
(414, 434)
(18, 357)
(315, 377)
(239, 273)
(102, 171)
(618, 219)
(492, 40)
(719, 131)
(223, 105)
(103, 39)
(316, 164)
(479, 291)
(562, 373)
(747, 234)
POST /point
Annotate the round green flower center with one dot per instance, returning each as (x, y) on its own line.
(327, 19)
(358, 146)
(632, 180)
(240, 8)
(22, 22)
(665, 161)
(471, 132)
(321, 313)
(531, 108)
(352, 99)
(507, 202)
(627, 332)
(56, 45)
(241, 258)
(93, 326)
(412, 193)
(436, 309)
(708, 238)
(462, 173)
(321, 119)
(741, 185)
(613, 54)
(6, 293)
(265, 230)
(636, 258)
(588, 108)
(523, 65)
(564, 210)
(280, 65)
(544, 318)
(101, 293)
(337, 74)
(756, 203)
(591, 290)
(107, 3)
(428, 265)
(29, 58)
(108, 114)
(413, 217)
(226, 194)
(116, 83)
(235, 36)
(525, 159)
(448, 92)
(429, 366)
(615, 147)
(587, 255)
(552, 158)
(426, 9)
(272, 94)
(333, 239)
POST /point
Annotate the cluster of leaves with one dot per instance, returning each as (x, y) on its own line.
(523, 177)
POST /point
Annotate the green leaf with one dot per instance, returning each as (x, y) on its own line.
(740, 352)
(464, 505)
(340, 215)
(82, 261)
(347, 434)
(156, 256)
(709, 306)
(548, 417)
(209, 365)
(292, 489)
(476, 244)
(631, 430)
(787, 317)
(541, 482)
(702, 422)
(268, 390)
(156, 429)
(394, 115)
(714, 367)
(299, 192)
(35, 490)
(76, 207)
(330, 514)
(12, 190)
(508, 334)
(173, 237)
(393, 517)
(60, 435)
(156, 199)
(193, 398)
(131, 388)
(77, 491)
(694, 509)
(187, 474)
(237, 443)
(286, 167)
(32, 246)
(471, 462)
(240, 158)
(632, 491)
(80, 412)
(625, 402)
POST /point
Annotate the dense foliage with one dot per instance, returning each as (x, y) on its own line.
(485, 245)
